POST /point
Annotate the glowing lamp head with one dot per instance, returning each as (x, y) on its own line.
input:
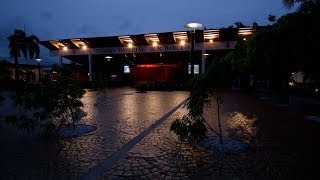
(182, 42)
(130, 45)
(155, 43)
(108, 58)
(193, 25)
(65, 48)
(84, 47)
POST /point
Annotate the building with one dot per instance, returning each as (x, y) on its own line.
(153, 57)
(29, 69)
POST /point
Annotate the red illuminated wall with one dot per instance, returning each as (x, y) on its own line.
(155, 72)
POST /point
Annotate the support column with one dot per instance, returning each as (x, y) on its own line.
(203, 62)
(90, 65)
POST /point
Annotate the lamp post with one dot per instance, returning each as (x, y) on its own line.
(39, 60)
(108, 72)
(192, 26)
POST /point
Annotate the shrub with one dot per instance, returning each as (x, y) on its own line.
(50, 106)
(189, 128)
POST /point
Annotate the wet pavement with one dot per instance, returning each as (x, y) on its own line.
(281, 142)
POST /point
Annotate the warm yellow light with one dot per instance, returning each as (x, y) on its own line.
(65, 48)
(182, 42)
(84, 47)
(130, 45)
(154, 44)
(211, 40)
(244, 39)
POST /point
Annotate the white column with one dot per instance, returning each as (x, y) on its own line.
(90, 65)
(203, 62)
(203, 59)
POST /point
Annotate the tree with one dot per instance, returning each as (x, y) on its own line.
(49, 106)
(272, 18)
(291, 3)
(192, 126)
(255, 24)
(20, 42)
(238, 64)
(239, 24)
(289, 45)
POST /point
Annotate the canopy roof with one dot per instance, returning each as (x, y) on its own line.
(223, 34)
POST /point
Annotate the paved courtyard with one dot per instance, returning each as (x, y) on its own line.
(133, 141)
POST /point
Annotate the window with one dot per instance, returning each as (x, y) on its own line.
(195, 70)
(126, 69)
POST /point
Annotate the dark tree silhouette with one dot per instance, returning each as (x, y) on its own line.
(291, 3)
(272, 18)
(255, 25)
(239, 25)
(20, 42)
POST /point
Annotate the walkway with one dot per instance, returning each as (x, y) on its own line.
(282, 144)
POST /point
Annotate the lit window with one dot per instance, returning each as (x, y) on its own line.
(195, 70)
(126, 69)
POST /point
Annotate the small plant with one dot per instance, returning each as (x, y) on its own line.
(191, 126)
(189, 129)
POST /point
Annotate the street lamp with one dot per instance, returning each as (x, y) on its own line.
(108, 58)
(38, 60)
(192, 26)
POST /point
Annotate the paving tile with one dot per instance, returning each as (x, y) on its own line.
(278, 142)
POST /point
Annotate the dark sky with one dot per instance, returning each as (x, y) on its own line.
(58, 19)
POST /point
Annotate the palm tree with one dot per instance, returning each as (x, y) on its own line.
(33, 47)
(20, 42)
(16, 43)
